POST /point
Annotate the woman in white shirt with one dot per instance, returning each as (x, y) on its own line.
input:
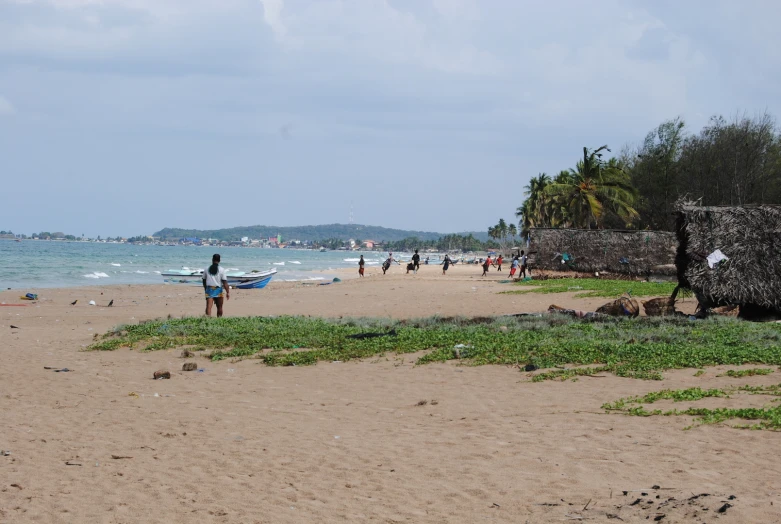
(214, 282)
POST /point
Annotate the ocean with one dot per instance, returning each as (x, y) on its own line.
(35, 264)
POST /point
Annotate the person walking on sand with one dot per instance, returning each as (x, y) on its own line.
(499, 260)
(214, 282)
(524, 264)
(361, 263)
(415, 262)
(445, 264)
(514, 266)
(486, 265)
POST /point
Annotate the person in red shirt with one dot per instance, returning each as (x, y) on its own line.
(486, 264)
(499, 263)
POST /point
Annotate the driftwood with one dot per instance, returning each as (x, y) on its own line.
(623, 307)
(662, 306)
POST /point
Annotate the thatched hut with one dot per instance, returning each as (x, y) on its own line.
(749, 237)
(591, 250)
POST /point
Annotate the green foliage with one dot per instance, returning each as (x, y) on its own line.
(445, 243)
(596, 287)
(315, 233)
(734, 373)
(638, 348)
(583, 196)
(733, 162)
(565, 374)
(767, 418)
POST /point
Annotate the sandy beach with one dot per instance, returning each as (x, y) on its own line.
(345, 441)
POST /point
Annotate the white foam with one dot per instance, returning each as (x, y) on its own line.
(96, 274)
(316, 278)
(232, 269)
(351, 259)
(159, 272)
(293, 262)
(116, 265)
(142, 272)
(279, 263)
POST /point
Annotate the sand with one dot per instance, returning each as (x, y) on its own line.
(336, 442)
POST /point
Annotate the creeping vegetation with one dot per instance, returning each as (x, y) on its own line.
(640, 347)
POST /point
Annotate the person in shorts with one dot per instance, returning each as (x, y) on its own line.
(361, 263)
(415, 262)
(514, 266)
(214, 283)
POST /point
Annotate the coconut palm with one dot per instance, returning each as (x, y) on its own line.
(582, 194)
(534, 212)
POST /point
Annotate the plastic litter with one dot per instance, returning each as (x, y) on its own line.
(91, 302)
(715, 258)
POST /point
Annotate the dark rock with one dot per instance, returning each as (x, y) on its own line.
(724, 508)
(189, 366)
(162, 374)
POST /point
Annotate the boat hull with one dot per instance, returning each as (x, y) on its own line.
(256, 280)
(259, 283)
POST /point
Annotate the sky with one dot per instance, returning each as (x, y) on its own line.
(121, 117)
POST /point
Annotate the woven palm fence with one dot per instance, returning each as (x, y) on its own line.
(750, 238)
(608, 250)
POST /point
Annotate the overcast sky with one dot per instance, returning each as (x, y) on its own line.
(126, 116)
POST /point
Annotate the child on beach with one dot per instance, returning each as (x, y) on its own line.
(361, 263)
(386, 265)
(214, 282)
(486, 264)
(513, 266)
(499, 260)
(416, 262)
(445, 264)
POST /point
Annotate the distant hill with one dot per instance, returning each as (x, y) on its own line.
(323, 232)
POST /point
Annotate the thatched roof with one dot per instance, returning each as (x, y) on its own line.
(750, 237)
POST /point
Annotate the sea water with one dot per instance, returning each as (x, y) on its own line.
(33, 264)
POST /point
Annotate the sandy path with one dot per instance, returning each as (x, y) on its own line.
(242, 442)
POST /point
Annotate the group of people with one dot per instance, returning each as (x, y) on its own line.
(519, 261)
(215, 282)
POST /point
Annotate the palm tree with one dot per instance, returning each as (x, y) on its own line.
(584, 192)
(513, 232)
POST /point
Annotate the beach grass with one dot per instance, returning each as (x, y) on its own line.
(768, 417)
(641, 347)
(596, 287)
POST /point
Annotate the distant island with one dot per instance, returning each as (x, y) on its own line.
(309, 233)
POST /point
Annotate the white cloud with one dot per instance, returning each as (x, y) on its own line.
(5, 106)
(272, 15)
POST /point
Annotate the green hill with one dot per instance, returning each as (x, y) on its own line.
(322, 232)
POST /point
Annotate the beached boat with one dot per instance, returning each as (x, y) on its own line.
(238, 279)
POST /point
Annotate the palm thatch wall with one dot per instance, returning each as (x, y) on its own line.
(610, 250)
(750, 236)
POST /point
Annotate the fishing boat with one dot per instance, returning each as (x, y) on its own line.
(238, 279)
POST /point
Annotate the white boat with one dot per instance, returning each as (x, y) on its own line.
(240, 279)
